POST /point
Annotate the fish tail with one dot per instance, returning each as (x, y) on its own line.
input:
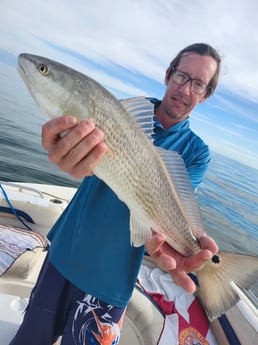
(219, 276)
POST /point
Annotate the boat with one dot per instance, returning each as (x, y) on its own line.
(164, 315)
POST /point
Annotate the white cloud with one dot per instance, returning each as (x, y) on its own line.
(142, 35)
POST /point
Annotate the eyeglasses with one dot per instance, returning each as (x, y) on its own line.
(181, 78)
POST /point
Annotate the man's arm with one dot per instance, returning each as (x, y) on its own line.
(77, 151)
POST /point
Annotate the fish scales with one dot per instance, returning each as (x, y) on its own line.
(145, 188)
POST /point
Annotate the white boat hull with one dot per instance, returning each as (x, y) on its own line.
(144, 322)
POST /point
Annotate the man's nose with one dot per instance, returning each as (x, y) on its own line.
(186, 87)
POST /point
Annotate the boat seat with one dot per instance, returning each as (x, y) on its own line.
(22, 253)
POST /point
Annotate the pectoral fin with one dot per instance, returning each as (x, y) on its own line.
(140, 232)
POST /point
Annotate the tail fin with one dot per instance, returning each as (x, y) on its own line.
(216, 291)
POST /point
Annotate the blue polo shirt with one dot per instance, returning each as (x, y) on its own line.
(90, 242)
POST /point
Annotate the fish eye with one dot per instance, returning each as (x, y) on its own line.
(43, 69)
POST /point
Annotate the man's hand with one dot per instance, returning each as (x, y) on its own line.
(176, 264)
(78, 150)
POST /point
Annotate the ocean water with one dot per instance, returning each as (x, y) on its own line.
(228, 197)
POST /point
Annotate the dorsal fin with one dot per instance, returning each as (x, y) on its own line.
(142, 110)
(184, 189)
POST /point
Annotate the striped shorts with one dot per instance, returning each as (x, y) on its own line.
(57, 308)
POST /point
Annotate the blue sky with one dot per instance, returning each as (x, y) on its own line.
(126, 45)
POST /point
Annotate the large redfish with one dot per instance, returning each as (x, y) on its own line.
(152, 182)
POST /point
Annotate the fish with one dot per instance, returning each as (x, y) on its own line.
(151, 181)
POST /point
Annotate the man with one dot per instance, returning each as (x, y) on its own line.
(88, 277)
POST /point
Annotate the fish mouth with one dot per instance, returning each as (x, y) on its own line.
(23, 73)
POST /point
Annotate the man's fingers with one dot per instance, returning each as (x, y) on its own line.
(193, 263)
(51, 129)
(77, 145)
(165, 262)
(154, 244)
(182, 279)
(156, 248)
(87, 164)
(78, 149)
(208, 243)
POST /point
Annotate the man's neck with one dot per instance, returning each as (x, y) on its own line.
(168, 121)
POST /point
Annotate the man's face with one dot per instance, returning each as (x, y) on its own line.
(179, 100)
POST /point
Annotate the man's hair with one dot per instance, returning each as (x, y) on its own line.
(201, 49)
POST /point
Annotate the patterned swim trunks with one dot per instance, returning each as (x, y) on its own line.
(58, 308)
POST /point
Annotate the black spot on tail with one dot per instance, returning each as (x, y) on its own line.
(215, 259)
